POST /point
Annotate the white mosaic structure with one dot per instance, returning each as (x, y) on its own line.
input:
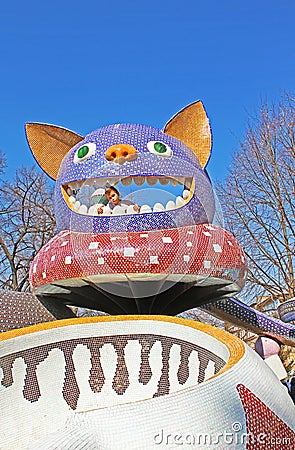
(136, 382)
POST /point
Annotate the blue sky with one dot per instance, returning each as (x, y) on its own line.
(85, 65)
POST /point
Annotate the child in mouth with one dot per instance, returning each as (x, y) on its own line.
(113, 197)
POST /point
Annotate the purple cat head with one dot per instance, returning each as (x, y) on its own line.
(159, 174)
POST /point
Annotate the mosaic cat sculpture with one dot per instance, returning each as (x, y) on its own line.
(137, 381)
(165, 259)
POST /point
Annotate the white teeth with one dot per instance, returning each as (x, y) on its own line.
(130, 210)
(126, 181)
(145, 209)
(101, 182)
(185, 194)
(72, 199)
(139, 181)
(152, 181)
(92, 211)
(96, 189)
(83, 209)
(170, 205)
(188, 182)
(107, 211)
(179, 201)
(77, 205)
(118, 211)
(158, 207)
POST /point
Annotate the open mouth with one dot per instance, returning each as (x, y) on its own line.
(150, 194)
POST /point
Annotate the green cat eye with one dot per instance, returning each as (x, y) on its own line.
(160, 147)
(83, 151)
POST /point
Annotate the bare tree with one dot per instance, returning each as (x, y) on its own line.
(2, 162)
(258, 199)
(287, 355)
(27, 223)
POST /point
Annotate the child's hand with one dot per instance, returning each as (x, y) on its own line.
(136, 208)
(100, 209)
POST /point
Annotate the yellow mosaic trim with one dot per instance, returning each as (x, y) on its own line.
(234, 345)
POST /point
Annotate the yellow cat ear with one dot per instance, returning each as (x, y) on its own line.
(49, 145)
(191, 126)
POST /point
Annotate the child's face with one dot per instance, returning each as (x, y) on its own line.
(113, 197)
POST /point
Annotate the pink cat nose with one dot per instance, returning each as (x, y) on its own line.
(121, 153)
